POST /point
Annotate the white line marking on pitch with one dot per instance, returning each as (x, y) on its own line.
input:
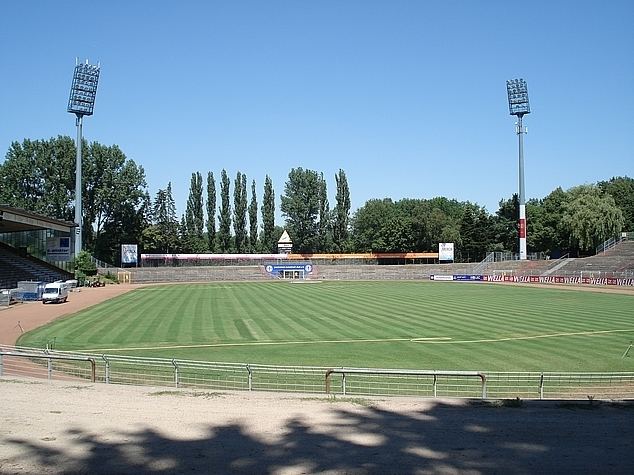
(531, 337)
(265, 343)
(430, 340)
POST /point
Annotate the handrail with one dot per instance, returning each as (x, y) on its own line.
(556, 264)
(52, 357)
(612, 242)
(490, 257)
(404, 372)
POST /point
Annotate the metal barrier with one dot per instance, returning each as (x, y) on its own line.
(49, 361)
(396, 372)
(200, 375)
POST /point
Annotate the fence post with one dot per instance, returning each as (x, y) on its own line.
(250, 377)
(541, 386)
(484, 385)
(93, 370)
(343, 383)
(435, 385)
(1, 357)
(107, 369)
(49, 368)
(175, 372)
(327, 380)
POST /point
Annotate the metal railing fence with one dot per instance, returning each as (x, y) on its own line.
(65, 365)
(591, 274)
(387, 382)
(613, 241)
(162, 372)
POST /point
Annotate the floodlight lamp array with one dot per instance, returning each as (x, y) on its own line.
(518, 97)
(84, 89)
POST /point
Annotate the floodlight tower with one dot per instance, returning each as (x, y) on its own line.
(81, 102)
(518, 105)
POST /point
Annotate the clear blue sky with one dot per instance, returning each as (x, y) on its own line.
(408, 97)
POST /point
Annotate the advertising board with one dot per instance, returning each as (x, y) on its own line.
(58, 249)
(445, 251)
(129, 254)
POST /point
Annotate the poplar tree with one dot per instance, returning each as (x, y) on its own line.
(240, 211)
(224, 218)
(324, 230)
(211, 211)
(194, 215)
(253, 219)
(341, 211)
(268, 216)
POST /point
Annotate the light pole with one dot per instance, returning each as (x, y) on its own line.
(518, 105)
(81, 102)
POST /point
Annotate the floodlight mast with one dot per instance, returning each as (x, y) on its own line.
(81, 102)
(518, 105)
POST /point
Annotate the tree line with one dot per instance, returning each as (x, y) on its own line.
(225, 215)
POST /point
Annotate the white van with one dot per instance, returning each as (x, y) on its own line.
(55, 292)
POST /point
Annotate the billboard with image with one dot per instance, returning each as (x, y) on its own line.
(445, 251)
(129, 254)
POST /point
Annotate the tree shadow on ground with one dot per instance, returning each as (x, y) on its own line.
(441, 438)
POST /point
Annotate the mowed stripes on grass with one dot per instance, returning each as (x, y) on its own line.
(365, 324)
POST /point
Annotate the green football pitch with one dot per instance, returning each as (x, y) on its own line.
(424, 325)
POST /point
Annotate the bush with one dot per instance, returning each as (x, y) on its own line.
(84, 265)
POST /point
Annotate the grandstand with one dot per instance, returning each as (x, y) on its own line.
(617, 260)
(15, 268)
(24, 237)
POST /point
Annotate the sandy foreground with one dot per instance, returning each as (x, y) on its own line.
(60, 427)
(63, 427)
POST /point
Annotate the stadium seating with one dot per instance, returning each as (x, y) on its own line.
(615, 261)
(618, 260)
(14, 268)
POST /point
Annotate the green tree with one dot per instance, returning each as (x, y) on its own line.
(253, 219)
(224, 218)
(194, 216)
(554, 237)
(505, 229)
(324, 239)
(162, 235)
(84, 266)
(592, 217)
(240, 212)
(341, 212)
(115, 201)
(59, 177)
(369, 224)
(416, 214)
(475, 233)
(268, 217)
(622, 190)
(442, 222)
(300, 205)
(211, 211)
(39, 176)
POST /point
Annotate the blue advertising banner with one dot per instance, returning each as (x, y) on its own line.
(468, 277)
(275, 269)
(458, 278)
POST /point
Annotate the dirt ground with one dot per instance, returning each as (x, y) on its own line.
(63, 427)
